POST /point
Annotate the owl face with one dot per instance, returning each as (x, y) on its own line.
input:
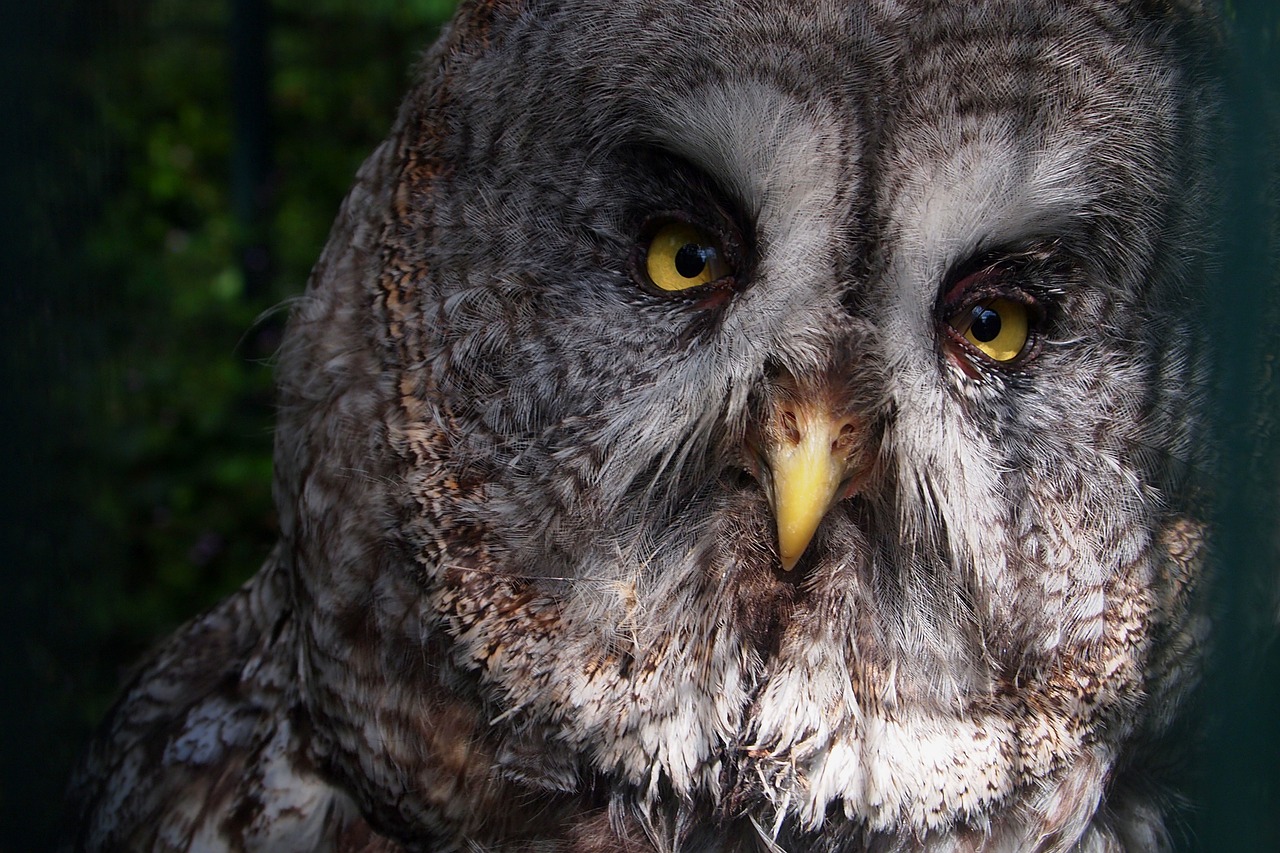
(771, 411)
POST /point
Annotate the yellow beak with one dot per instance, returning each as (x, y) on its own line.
(808, 464)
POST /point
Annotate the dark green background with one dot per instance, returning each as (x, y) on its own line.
(170, 170)
(173, 169)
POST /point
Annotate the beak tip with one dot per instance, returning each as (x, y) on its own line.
(794, 536)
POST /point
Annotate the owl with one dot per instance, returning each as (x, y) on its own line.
(724, 426)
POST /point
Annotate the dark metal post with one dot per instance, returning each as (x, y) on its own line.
(252, 168)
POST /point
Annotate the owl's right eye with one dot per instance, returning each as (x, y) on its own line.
(680, 256)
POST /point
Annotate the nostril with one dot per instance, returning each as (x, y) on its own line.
(790, 429)
(844, 441)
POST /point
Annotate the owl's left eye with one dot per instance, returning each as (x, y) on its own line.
(998, 328)
(680, 256)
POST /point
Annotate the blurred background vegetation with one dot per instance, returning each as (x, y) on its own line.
(171, 169)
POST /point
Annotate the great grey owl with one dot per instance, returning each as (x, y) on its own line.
(724, 426)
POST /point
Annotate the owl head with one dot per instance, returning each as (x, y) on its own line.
(770, 421)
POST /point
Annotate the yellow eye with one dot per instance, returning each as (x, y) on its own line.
(681, 256)
(998, 327)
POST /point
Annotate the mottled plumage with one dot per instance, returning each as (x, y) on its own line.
(536, 507)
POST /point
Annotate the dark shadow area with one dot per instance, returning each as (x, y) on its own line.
(1237, 781)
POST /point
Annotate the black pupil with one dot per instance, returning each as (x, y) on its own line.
(691, 260)
(986, 324)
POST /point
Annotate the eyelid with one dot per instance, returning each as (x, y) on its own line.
(984, 283)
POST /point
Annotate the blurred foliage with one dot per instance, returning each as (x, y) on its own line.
(185, 393)
(153, 497)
